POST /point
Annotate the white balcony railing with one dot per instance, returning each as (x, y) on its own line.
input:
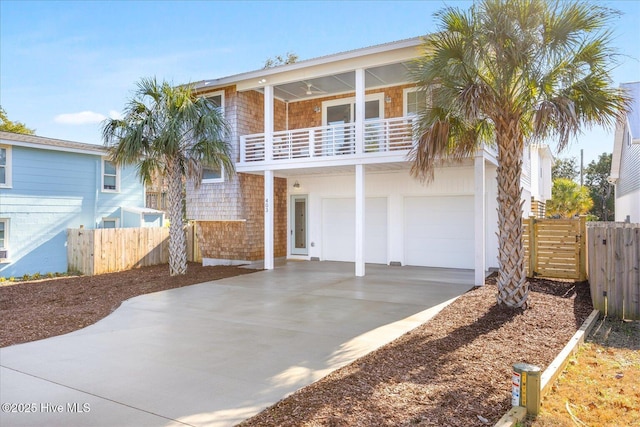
(380, 135)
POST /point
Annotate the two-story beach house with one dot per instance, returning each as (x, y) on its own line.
(625, 161)
(49, 185)
(322, 172)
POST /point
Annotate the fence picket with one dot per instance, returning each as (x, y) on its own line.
(98, 251)
(614, 264)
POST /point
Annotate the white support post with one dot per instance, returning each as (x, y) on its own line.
(268, 220)
(268, 123)
(360, 97)
(360, 199)
(479, 217)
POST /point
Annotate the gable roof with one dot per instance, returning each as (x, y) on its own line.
(33, 141)
(630, 126)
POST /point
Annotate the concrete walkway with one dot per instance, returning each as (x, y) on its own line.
(216, 353)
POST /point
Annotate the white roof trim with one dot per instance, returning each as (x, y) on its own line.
(40, 142)
(309, 63)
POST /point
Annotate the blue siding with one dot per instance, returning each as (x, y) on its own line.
(52, 191)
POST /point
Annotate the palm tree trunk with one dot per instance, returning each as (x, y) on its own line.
(177, 238)
(513, 288)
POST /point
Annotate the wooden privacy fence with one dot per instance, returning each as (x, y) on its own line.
(614, 268)
(106, 250)
(555, 248)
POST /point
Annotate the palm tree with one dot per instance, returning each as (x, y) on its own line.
(168, 131)
(568, 199)
(509, 72)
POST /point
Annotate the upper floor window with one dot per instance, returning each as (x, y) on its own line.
(414, 101)
(5, 166)
(110, 176)
(217, 98)
(212, 175)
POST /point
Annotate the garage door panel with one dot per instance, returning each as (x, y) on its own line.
(438, 231)
(338, 231)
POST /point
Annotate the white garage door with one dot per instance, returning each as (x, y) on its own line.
(438, 231)
(338, 230)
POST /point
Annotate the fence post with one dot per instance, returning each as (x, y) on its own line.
(532, 246)
(583, 248)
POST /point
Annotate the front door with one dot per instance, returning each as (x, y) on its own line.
(299, 225)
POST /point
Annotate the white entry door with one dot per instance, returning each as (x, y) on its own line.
(298, 225)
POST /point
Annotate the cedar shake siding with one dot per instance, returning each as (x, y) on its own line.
(244, 239)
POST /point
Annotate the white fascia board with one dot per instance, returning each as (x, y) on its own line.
(326, 65)
(98, 151)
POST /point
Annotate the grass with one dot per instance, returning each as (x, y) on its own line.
(600, 385)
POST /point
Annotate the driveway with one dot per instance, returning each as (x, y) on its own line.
(216, 353)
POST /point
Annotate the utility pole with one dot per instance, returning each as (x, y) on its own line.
(581, 167)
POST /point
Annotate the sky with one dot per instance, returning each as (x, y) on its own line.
(67, 65)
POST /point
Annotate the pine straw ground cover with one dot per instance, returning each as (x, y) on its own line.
(600, 385)
(454, 370)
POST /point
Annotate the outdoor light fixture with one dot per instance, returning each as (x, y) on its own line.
(296, 184)
(387, 99)
(261, 81)
(316, 109)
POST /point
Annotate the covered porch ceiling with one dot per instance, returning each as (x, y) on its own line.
(384, 65)
(333, 84)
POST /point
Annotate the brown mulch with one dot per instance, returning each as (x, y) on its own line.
(41, 309)
(454, 370)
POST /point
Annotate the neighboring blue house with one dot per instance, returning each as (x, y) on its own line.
(49, 185)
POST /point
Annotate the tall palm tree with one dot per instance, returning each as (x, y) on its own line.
(509, 72)
(168, 131)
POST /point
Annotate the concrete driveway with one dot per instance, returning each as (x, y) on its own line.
(216, 353)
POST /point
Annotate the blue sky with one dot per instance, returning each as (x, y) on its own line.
(66, 65)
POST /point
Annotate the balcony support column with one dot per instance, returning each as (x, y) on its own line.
(479, 217)
(359, 225)
(268, 123)
(360, 100)
(268, 220)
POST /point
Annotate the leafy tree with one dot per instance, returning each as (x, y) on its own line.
(167, 130)
(568, 199)
(565, 168)
(596, 174)
(15, 127)
(507, 72)
(277, 60)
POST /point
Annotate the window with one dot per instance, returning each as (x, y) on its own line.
(109, 222)
(414, 101)
(110, 177)
(217, 98)
(4, 238)
(212, 175)
(5, 166)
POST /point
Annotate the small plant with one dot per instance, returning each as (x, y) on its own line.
(25, 277)
(50, 275)
(36, 276)
(12, 279)
(3, 279)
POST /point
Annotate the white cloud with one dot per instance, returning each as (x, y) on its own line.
(82, 118)
(116, 115)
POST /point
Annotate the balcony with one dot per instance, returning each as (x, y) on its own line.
(384, 140)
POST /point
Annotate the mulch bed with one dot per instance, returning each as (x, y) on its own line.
(454, 370)
(41, 309)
